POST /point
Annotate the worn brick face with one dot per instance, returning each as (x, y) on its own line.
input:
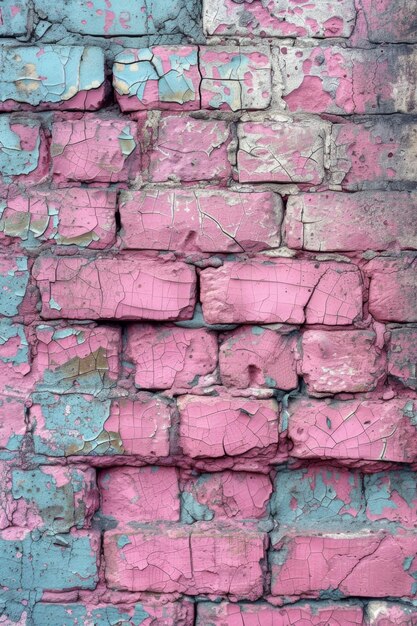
(208, 326)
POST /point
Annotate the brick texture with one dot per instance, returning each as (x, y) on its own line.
(208, 322)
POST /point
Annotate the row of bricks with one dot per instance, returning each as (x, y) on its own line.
(166, 612)
(264, 290)
(187, 221)
(378, 20)
(56, 499)
(312, 152)
(61, 359)
(212, 432)
(218, 559)
(320, 79)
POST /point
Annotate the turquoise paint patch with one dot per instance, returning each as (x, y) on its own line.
(74, 424)
(193, 511)
(77, 615)
(123, 541)
(300, 502)
(14, 159)
(379, 492)
(13, 286)
(127, 17)
(9, 331)
(54, 504)
(45, 562)
(54, 304)
(132, 75)
(257, 330)
(50, 74)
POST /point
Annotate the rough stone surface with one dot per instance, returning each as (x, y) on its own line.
(198, 220)
(208, 327)
(283, 290)
(366, 220)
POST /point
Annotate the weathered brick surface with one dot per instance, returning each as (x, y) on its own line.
(283, 290)
(366, 220)
(200, 220)
(208, 327)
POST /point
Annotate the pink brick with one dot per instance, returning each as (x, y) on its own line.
(201, 558)
(337, 361)
(189, 149)
(24, 151)
(366, 220)
(199, 220)
(393, 288)
(362, 564)
(92, 149)
(373, 153)
(258, 357)
(334, 18)
(336, 80)
(77, 358)
(218, 427)
(287, 151)
(390, 22)
(121, 288)
(140, 494)
(282, 290)
(143, 426)
(168, 356)
(402, 356)
(82, 217)
(263, 614)
(228, 495)
(355, 430)
(235, 78)
(161, 77)
(390, 614)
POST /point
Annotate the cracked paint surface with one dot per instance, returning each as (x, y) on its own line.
(281, 152)
(235, 78)
(225, 495)
(148, 493)
(277, 18)
(80, 288)
(337, 361)
(174, 558)
(157, 78)
(47, 76)
(214, 428)
(368, 430)
(258, 357)
(23, 151)
(337, 80)
(74, 216)
(166, 357)
(189, 149)
(360, 564)
(366, 220)
(198, 220)
(207, 313)
(282, 290)
(124, 17)
(393, 288)
(94, 150)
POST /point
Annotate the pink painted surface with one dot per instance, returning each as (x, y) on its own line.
(194, 220)
(282, 290)
(166, 357)
(133, 288)
(353, 430)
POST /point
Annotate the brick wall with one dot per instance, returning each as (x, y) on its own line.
(208, 313)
